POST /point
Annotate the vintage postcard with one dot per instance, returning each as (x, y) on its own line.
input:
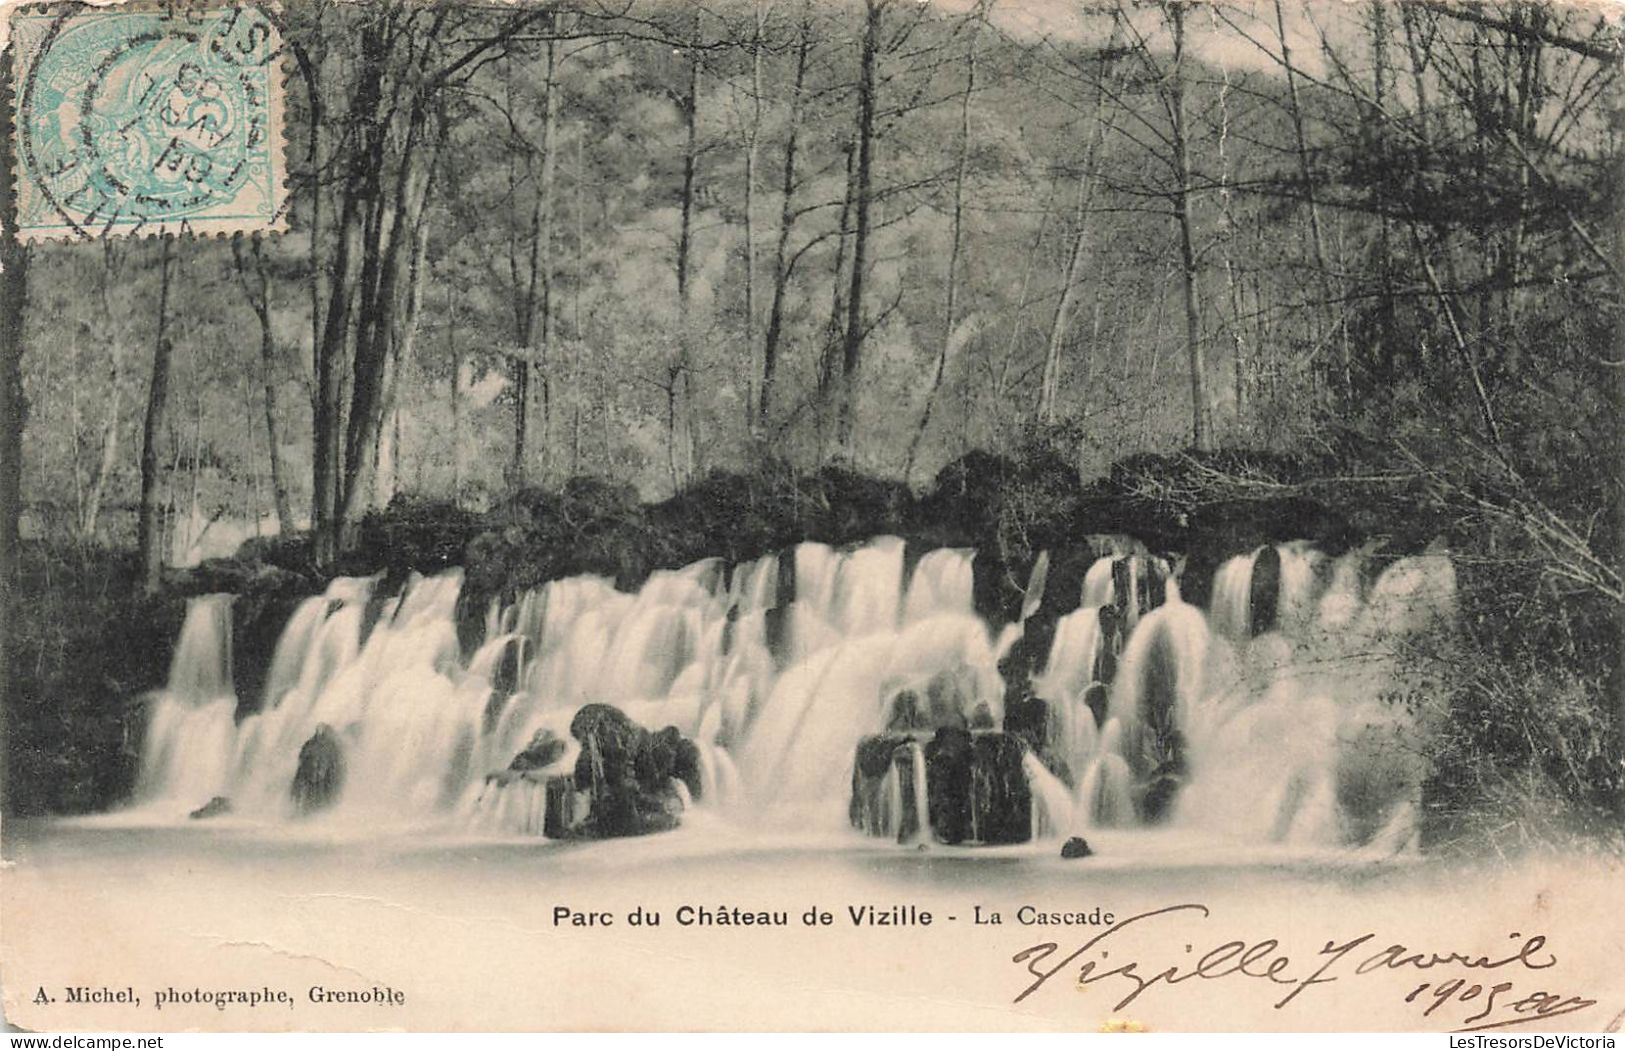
(813, 515)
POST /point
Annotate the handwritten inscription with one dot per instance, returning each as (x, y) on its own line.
(1474, 992)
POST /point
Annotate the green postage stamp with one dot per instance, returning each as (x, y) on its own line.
(145, 119)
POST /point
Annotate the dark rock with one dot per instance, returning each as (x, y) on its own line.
(510, 665)
(544, 750)
(320, 775)
(563, 807)
(948, 760)
(609, 746)
(1264, 598)
(866, 809)
(627, 772)
(1111, 644)
(1162, 786)
(1076, 847)
(1001, 802)
(1099, 701)
(976, 789)
(905, 713)
(785, 592)
(213, 808)
(1159, 693)
(874, 754)
(1123, 597)
(1037, 639)
(1063, 589)
(945, 700)
(982, 718)
(710, 574)
(1027, 717)
(1106, 665)
(503, 778)
(264, 604)
(991, 596)
(382, 601)
(730, 629)
(908, 820)
(776, 633)
(1152, 584)
(1111, 626)
(668, 756)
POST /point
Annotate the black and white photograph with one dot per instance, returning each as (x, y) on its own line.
(834, 515)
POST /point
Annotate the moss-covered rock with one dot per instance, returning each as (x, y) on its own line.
(320, 775)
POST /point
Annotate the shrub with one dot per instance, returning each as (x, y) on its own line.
(79, 653)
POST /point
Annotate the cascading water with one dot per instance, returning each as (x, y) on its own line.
(190, 732)
(421, 733)
(1151, 709)
(1230, 611)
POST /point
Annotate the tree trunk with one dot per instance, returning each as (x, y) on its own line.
(1317, 239)
(680, 409)
(524, 280)
(1238, 344)
(544, 259)
(456, 400)
(350, 273)
(393, 257)
(107, 462)
(13, 311)
(149, 538)
(327, 460)
(1617, 383)
(258, 292)
(752, 415)
(781, 272)
(1386, 336)
(950, 304)
(403, 345)
(852, 346)
(828, 363)
(1187, 242)
(578, 334)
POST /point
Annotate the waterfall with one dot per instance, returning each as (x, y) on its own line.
(1097, 583)
(191, 727)
(200, 670)
(1230, 609)
(1153, 712)
(1052, 800)
(422, 734)
(1296, 596)
(920, 800)
(1341, 602)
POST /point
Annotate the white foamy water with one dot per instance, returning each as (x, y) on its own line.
(1283, 738)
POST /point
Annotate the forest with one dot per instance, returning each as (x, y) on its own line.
(1046, 259)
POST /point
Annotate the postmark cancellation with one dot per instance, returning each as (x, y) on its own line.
(143, 119)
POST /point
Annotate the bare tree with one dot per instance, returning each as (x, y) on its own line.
(782, 260)
(862, 203)
(956, 239)
(149, 537)
(257, 290)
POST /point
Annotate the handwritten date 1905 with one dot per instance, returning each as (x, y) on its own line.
(1474, 1003)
